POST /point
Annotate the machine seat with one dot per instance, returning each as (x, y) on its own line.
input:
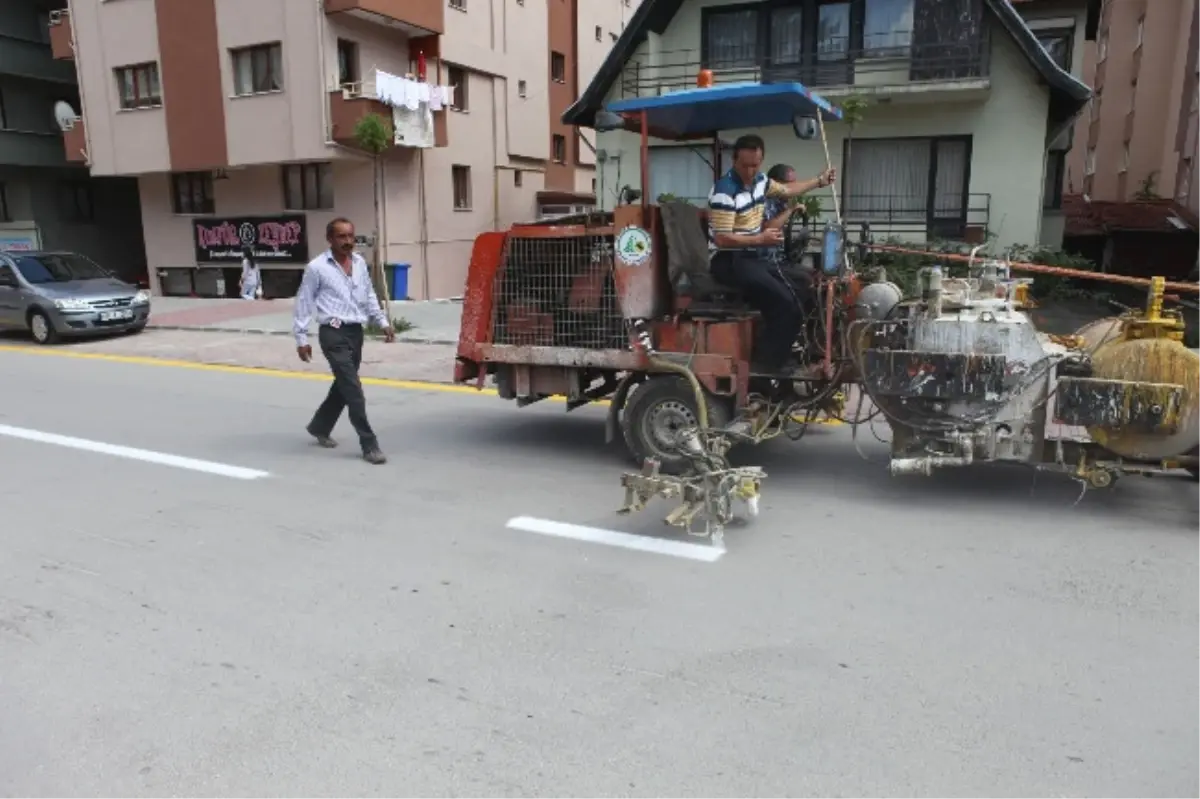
(693, 287)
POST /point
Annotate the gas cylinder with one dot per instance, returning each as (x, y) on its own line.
(1116, 356)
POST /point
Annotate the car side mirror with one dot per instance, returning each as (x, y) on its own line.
(804, 127)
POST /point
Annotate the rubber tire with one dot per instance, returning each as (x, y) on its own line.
(51, 334)
(1195, 473)
(650, 393)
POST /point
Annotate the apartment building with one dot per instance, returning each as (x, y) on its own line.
(1140, 137)
(238, 119)
(46, 202)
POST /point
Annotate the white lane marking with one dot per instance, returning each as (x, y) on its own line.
(596, 535)
(146, 455)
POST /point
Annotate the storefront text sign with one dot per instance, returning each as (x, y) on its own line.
(274, 239)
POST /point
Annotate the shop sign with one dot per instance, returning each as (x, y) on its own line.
(273, 239)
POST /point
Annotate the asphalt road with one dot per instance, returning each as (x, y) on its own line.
(336, 628)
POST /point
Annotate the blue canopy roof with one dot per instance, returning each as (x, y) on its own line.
(728, 107)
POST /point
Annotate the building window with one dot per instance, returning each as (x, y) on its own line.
(75, 202)
(461, 178)
(1058, 44)
(347, 54)
(887, 27)
(458, 5)
(308, 187)
(258, 69)
(1089, 162)
(4, 215)
(730, 38)
(560, 148)
(920, 180)
(599, 33)
(558, 68)
(192, 192)
(518, 178)
(457, 77)
(522, 88)
(139, 86)
(1056, 170)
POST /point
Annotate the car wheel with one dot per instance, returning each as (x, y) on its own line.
(133, 331)
(41, 328)
(657, 411)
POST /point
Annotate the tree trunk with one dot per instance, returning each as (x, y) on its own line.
(380, 241)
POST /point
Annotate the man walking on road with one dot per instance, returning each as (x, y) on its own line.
(337, 290)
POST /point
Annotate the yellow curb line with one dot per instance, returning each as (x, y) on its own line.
(148, 360)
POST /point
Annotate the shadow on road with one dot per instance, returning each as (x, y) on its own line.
(826, 462)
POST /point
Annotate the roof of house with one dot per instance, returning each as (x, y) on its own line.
(1068, 95)
(1101, 217)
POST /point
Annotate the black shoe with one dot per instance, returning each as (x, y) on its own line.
(323, 441)
(374, 457)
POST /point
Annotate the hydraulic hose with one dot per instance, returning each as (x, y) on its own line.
(645, 344)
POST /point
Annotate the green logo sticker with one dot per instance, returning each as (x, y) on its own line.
(633, 246)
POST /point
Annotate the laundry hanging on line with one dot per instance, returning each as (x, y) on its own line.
(401, 92)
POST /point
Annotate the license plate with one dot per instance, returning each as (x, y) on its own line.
(114, 316)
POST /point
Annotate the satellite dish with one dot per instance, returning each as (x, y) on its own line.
(65, 115)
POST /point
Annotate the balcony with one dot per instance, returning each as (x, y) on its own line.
(24, 148)
(75, 143)
(351, 103)
(32, 60)
(414, 17)
(894, 68)
(62, 38)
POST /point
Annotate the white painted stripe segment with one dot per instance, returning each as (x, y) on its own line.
(596, 535)
(145, 455)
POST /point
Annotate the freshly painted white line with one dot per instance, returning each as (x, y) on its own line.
(596, 535)
(148, 456)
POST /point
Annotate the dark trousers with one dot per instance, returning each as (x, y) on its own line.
(763, 287)
(342, 347)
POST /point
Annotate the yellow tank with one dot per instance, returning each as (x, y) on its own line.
(1155, 358)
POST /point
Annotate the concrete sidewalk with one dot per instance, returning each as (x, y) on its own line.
(431, 363)
(434, 322)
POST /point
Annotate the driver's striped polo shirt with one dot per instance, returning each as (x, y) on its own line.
(737, 209)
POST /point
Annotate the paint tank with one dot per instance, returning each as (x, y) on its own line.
(1150, 361)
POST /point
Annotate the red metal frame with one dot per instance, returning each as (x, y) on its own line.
(718, 350)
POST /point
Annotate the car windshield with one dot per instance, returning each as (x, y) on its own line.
(58, 268)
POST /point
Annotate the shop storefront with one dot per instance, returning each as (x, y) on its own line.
(219, 243)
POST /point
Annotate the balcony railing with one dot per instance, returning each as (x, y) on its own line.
(891, 61)
(353, 101)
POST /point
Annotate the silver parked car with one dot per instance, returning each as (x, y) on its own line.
(60, 294)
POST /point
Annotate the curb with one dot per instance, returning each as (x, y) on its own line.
(402, 337)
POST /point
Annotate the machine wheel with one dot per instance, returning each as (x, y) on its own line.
(41, 328)
(1192, 470)
(657, 410)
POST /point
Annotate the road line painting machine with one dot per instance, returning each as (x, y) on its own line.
(621, 306)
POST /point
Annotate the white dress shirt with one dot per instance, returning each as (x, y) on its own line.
(331, 295)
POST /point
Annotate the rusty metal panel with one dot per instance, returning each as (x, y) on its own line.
(486, 256)
(640, 269)
(934, 375)
(1093, 402)
(557, 291)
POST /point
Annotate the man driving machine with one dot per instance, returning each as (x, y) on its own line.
(738, 238)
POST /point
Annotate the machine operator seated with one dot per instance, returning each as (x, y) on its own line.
(738, 244)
